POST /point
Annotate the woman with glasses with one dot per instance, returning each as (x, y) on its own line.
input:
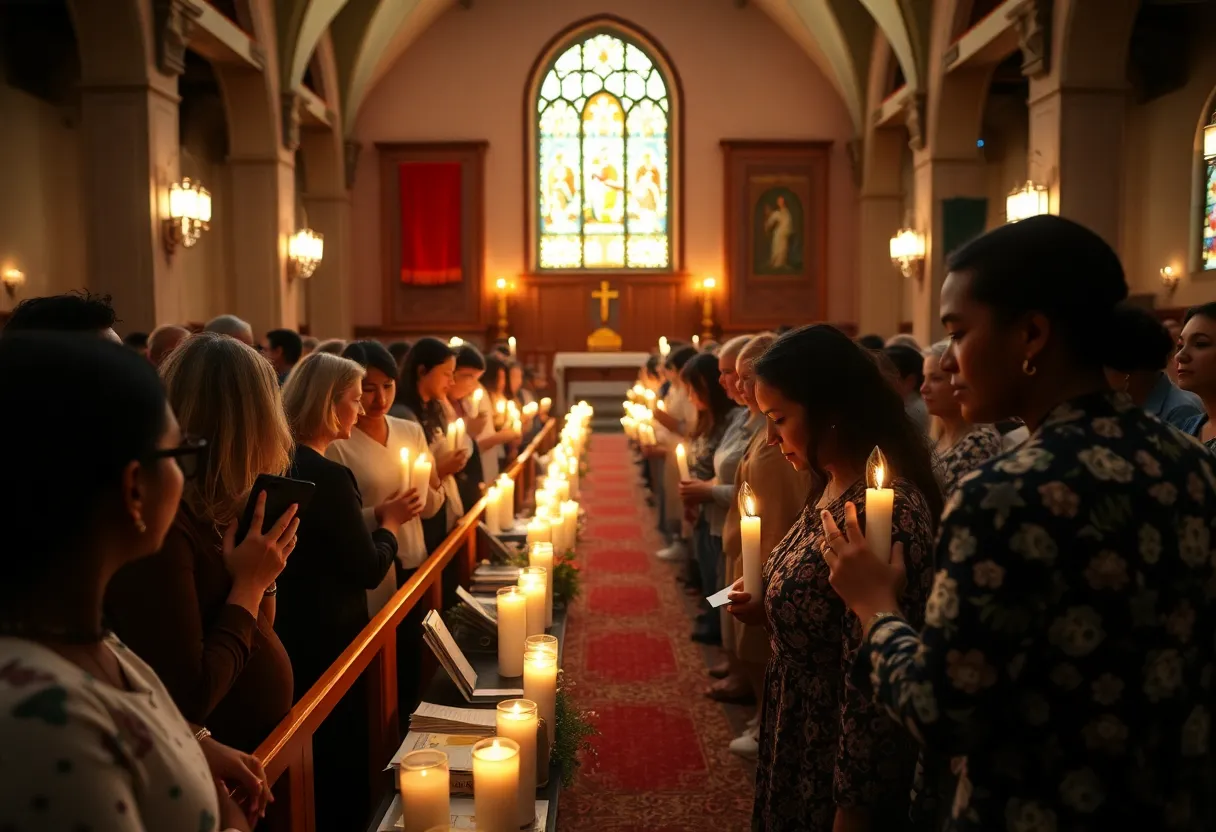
(89, 736)
(201, 611)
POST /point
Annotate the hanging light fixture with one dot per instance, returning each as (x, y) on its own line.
(1030, 200)
(189, 213)
(305, 250)
(908, 252)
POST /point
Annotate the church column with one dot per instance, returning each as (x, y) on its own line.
(129, 142)
(263, 217)
(327, 206)
(881, 215)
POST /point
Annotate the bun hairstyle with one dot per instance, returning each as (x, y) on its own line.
(1144, 343)
(372, 355)
(843, 392)
(1056, 267)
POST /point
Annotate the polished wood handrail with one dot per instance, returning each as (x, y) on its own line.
(288, 749)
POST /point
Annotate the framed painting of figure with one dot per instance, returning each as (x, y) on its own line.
(776, 197)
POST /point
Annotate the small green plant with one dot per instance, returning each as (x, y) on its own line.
(574, 728)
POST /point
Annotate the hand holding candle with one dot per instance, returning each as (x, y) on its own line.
(879, 504)
(420, 478)
(749, 528)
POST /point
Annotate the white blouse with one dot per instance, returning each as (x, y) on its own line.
(377, 470)
(78, 753)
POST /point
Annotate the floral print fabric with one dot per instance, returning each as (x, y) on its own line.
(1067, 651)
(823, 744)
(964, 456)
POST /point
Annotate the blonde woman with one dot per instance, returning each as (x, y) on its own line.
(959, 446)
(201, 610)
(323, 588)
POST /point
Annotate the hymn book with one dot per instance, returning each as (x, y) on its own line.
(454, 662)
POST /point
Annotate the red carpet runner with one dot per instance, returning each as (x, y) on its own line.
(663, 763)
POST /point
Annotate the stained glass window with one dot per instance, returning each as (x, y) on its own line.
(1209, 215)
(603, 157)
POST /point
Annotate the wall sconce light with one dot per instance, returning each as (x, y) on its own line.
(707, 286)
(189, 213)
(305, 251)
(13, 279)
(908, 252)
(503, 287)
(1030, 200)
(1170, 280)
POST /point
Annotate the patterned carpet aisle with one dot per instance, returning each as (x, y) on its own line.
(663, 762)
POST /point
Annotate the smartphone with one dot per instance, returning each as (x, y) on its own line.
(281, 494)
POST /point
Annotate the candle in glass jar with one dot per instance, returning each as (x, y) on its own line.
(540, 684)
(512, 630)
(572, 475)
(570, 523)
(538, 530)
(749, 531)
(496, 785)
(557, 529)
(880, 503)
(682, 462)
(543, 642)
(532, 580)
(516, 719)
(493, 512)
(424, 782)
(421, 476)
(541, 554)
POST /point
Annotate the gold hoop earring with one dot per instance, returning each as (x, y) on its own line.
(1027, 369)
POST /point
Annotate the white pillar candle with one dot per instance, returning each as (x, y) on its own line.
(682, 462)
(749, 530)
(424, 783)
(570, 523)
(532, 581)
(545, 404)
(512, 630)
(538, 530)
(493, 512)
(543, 642)
(452, 436)
(540, 684)
(500, 412)
(516, 719)
(557, 529)
(879, 505)
(478, 395)
(563, 490)
(572, 475)
(461, 433)
(496, 785)
(511, 345)
(541, 554)
(421, 476)
(405, 470)
(506, 518)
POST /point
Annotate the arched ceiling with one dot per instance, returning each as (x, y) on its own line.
(370, 35)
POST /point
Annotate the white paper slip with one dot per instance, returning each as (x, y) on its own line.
(462, 815)
(719, 598)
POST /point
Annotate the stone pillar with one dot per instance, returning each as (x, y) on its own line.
(329, 287)
(939, 180)
(881, 215)
(263, 217)
(129, 147)
(1076, 149)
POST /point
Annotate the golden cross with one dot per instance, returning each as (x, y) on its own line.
(605, 296)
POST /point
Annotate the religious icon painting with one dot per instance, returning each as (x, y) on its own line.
(603, 140)
(777, 217)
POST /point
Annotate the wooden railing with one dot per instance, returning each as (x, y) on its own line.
(288, 749)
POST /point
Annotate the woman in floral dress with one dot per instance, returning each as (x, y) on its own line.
(828, 758)
(961, 446)
(1067, 655)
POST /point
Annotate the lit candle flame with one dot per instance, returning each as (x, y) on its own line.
(876, 469)
(516, 708)
(405, 456)
(747, 500)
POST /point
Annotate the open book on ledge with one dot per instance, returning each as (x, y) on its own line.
(486, 689)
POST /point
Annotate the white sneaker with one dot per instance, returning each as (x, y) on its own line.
(745, 746)
(676, 551)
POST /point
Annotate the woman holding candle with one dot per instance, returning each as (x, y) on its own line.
(674, 421)
(1066, 655)
(961, 446)
(829, 758)
(373, 454)
(463, 404)
(718, 418)
(780, 492)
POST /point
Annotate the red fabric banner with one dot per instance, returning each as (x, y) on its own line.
(430, 223)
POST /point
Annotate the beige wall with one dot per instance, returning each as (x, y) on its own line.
(1006, 135)
(464, 79)
(41, 212)
(1160, 216)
